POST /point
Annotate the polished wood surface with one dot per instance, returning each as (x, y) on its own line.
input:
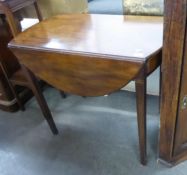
(181, 127)
(93, 77)
(94, 55)
(173, 136)
(119, 37)
(90, 38)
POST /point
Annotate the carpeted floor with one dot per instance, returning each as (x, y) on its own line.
(98, 136)
(105, 7)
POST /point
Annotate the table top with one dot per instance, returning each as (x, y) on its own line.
(117, 36)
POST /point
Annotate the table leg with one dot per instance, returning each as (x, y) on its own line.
(35, 87)
(141, 115)
(63, 94)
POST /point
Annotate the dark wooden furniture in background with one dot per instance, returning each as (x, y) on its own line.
(173, 131)
(9, 7)
(86, 58)
(18, 77)
(7, 100)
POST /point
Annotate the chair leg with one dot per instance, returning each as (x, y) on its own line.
(141, 116)
(35, 87)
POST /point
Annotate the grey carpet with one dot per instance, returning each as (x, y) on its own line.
(98, 136)
(105, 7)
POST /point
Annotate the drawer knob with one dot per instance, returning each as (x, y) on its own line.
(184, 102)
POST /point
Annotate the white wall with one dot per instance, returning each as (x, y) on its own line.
(54, 7)
(153, 83)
